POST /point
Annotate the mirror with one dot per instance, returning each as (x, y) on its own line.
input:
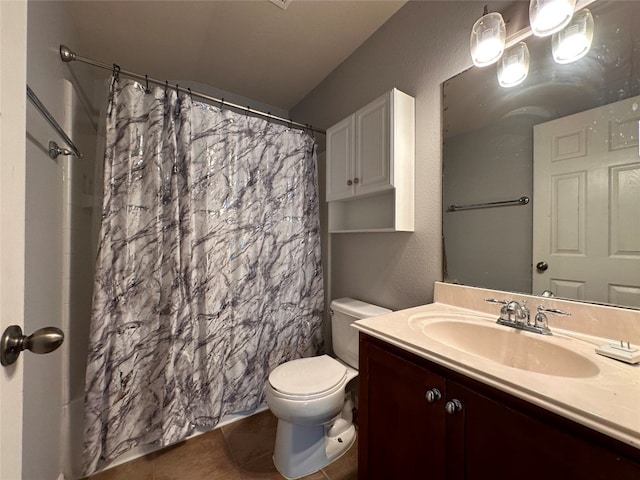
(488, 156)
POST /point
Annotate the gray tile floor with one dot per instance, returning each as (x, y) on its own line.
(238, 451)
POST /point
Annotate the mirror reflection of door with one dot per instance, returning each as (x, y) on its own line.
(586, 223)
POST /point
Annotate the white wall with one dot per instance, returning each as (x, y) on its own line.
(49, 299)
(422, 45)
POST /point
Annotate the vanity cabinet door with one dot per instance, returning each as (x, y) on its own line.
(401, 434)
(492, 440)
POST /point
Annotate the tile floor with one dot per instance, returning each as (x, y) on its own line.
(238, 451)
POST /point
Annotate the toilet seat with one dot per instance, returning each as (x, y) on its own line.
(308, 378)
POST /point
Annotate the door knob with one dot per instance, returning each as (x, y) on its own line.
(541, 266)
(13, 342)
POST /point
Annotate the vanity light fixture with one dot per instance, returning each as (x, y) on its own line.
(574, 41)
(513, 67)
(550, 16)
(488, 37)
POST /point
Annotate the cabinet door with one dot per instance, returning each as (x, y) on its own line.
(402, 435)
(373, 150)
(340, 160)
(498, 442)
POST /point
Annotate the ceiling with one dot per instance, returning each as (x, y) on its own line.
(251, 48)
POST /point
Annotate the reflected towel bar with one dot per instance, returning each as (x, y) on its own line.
(54, 149)
(506, 203)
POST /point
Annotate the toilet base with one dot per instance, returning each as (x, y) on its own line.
(302, 450)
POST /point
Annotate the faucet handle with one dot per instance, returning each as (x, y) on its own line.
(541, 318)
(541, 321)
(555, 311)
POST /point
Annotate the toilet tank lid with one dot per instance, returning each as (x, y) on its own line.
(357, 308)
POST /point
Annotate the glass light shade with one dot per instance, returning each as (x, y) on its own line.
(574, 41)
(488, 37)
(513, 67)
(549, 16)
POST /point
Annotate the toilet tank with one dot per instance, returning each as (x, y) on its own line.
(345, 311)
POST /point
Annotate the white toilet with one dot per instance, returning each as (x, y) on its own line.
(308, 397)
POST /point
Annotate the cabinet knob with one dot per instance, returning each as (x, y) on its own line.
(349, 182)
(433, 395)
(356, 180)
(453, 406)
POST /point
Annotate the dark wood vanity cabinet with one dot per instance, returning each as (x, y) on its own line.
(405, 433)
(398, 429)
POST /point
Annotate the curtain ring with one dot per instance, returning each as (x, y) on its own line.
(116, 71)
(190, 94)
(177, 89)
(146, 82)
(221, 103)
(166, 87)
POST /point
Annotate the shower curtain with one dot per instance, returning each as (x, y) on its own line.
(208, 273)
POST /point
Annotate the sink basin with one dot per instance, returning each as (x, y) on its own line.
(504, 345)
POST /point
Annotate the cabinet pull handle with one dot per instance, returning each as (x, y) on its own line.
(453, 406)
(433, 395)
(349, 182)
(356, 180)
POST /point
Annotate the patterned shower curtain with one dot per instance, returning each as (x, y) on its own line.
(208, 273)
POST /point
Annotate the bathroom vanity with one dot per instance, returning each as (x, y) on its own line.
(433, 406)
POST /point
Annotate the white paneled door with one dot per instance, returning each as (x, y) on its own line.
(586, 210)
(13, 59)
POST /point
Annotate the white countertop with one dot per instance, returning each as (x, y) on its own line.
(608, 402)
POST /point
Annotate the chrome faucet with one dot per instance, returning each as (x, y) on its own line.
(516, 315)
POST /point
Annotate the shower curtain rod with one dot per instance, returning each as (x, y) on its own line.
(67, 55)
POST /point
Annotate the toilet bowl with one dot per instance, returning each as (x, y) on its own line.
(308, 396)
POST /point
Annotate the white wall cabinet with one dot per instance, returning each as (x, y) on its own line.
(370, 167)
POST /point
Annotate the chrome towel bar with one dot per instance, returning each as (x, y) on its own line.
(506, 203)
(54, 149)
